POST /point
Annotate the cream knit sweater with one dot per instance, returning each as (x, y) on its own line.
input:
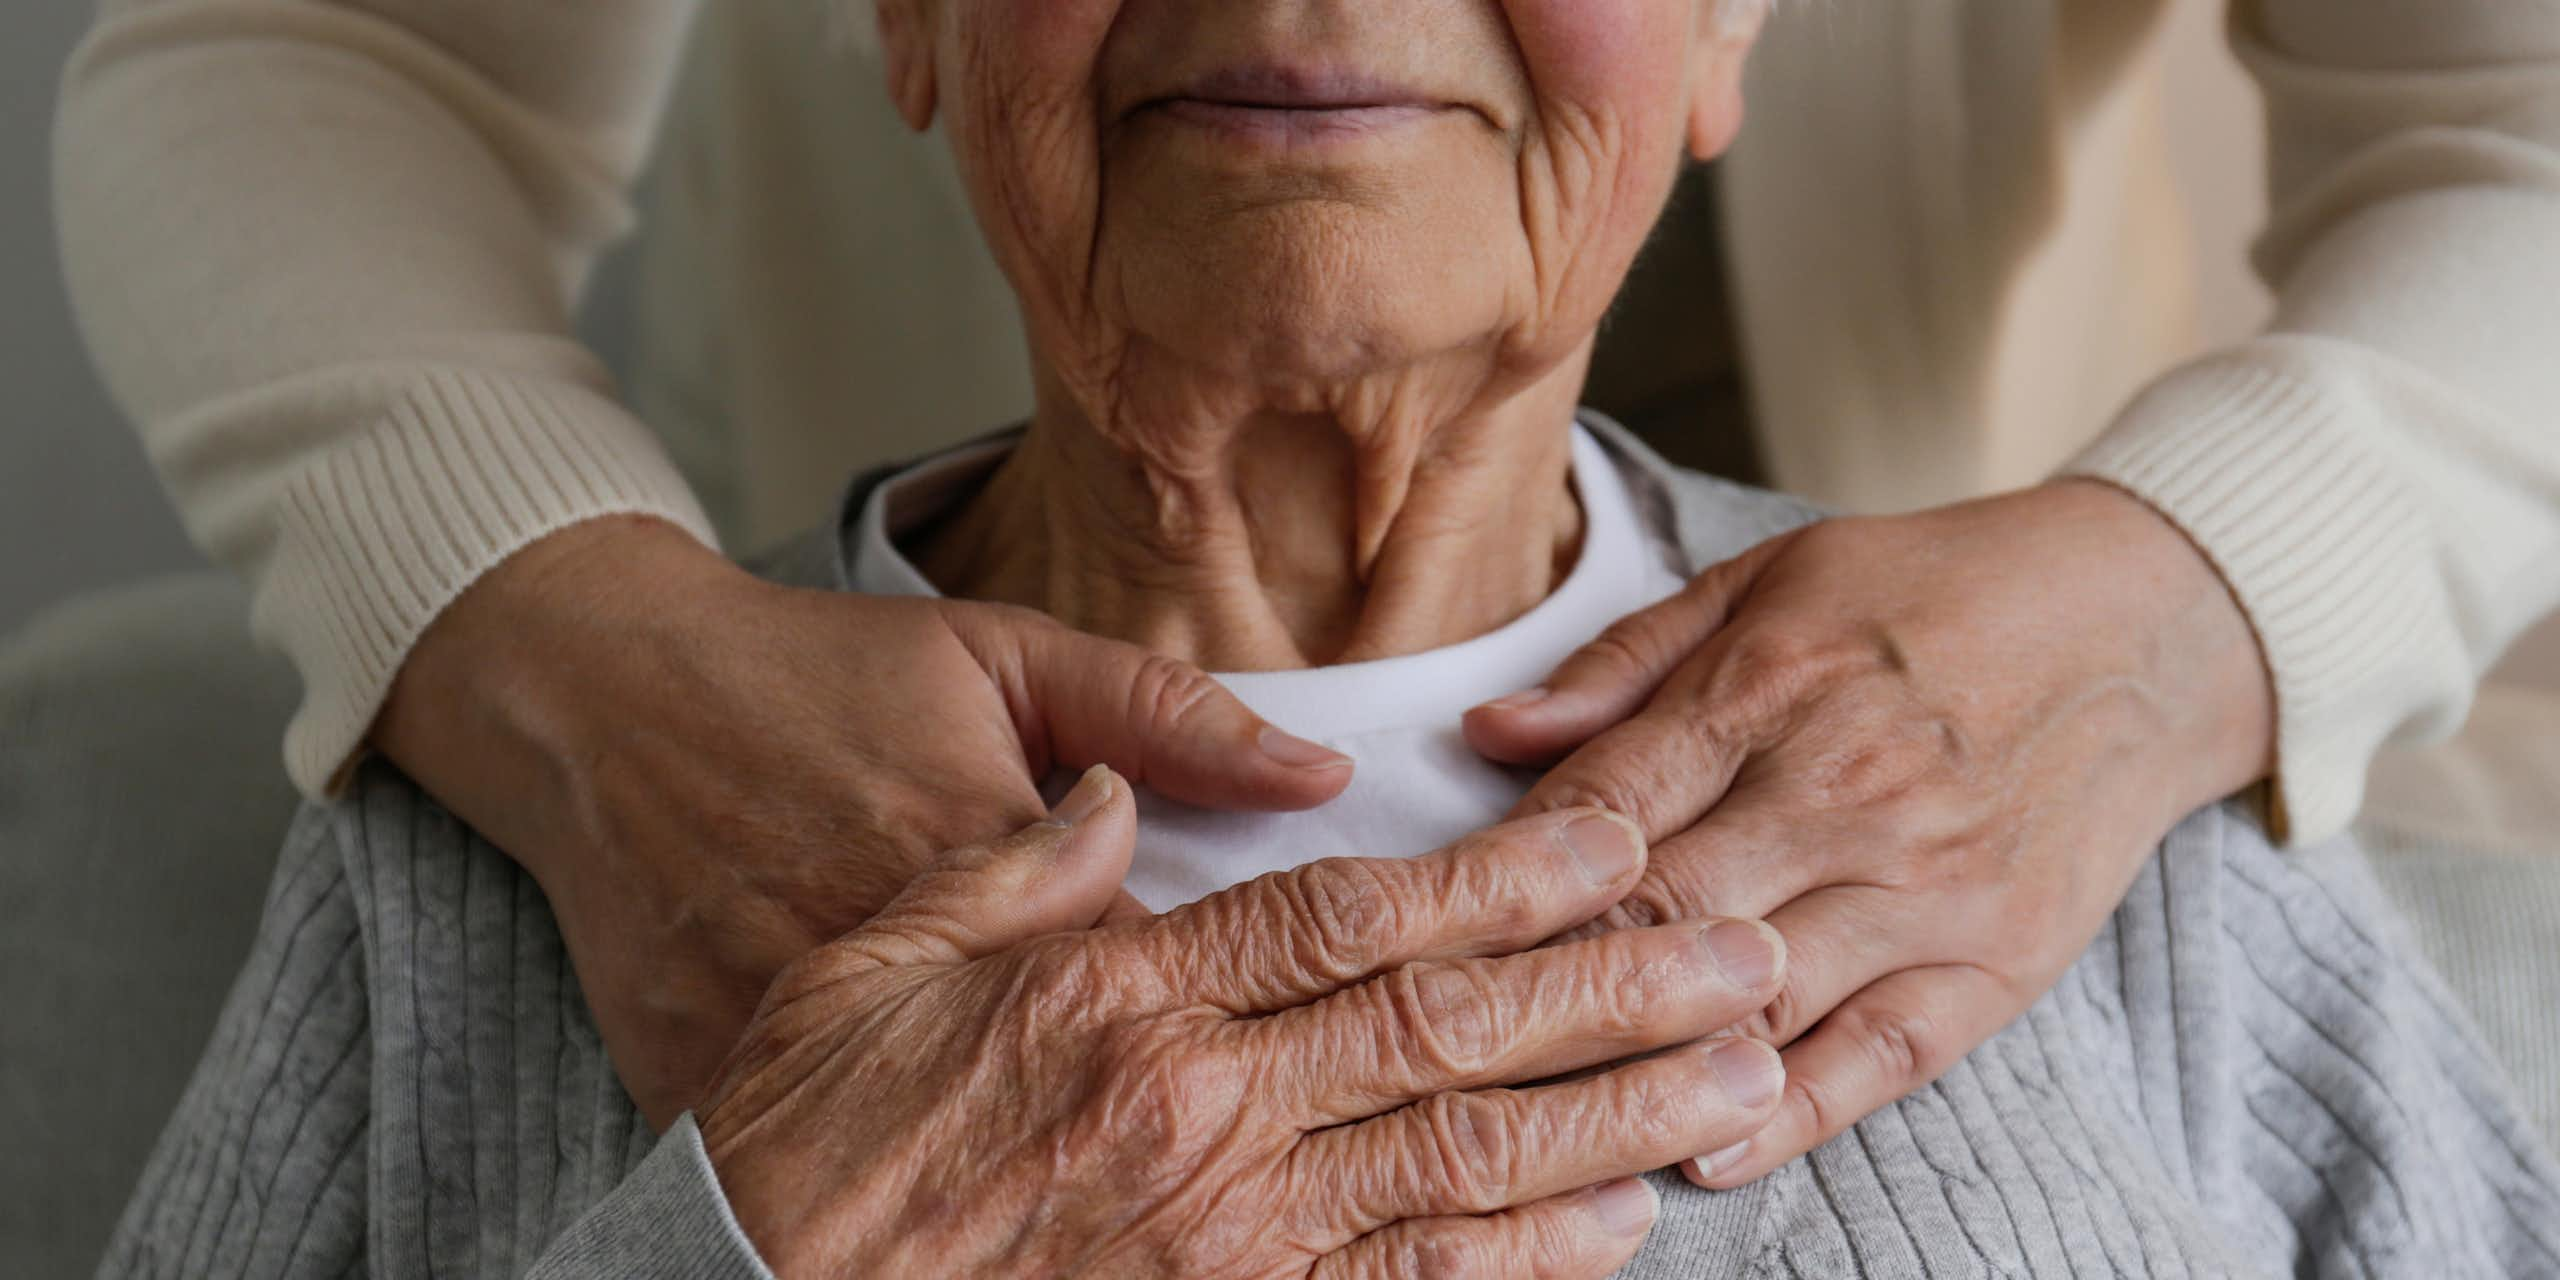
(327, 253)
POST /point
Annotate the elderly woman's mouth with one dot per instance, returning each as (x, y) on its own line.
(1287, 106)
(1262, 122)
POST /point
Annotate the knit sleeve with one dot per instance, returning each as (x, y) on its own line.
(669, 1218)
(2378, 475)
(326, 255)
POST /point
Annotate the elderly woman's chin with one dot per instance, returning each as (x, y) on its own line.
(1277, 320)
(1319, 274)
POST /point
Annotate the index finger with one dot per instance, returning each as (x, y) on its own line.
(1621, 670)
(1429, 1028)
(1664, 769)
(1296, 936)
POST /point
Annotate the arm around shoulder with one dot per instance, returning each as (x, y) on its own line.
(326, 256)
(2378, 476)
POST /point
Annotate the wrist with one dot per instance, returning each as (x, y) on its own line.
(2190, 638)
(493, 702)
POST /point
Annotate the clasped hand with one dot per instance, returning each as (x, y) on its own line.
(1297, 1076)
(1931, 750)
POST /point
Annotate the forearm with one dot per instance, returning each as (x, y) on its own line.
(327, 255)
(2378, 477)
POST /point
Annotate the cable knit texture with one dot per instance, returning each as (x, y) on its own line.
(2249, 1073)
(326, 251)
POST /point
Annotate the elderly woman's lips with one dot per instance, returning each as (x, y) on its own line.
(1275, 122)
(1288, 102)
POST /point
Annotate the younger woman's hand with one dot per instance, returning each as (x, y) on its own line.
(1301, 1076)
(1931, 749)
(710, 774)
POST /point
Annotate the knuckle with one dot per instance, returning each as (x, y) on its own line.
(1638, 910)
(1777, 667)
(1901, 1047)
(1443, 1018)
(1864, 769)
(1629, 984)
(1470, 1149)
(1162, 1093)
(1064, 983)
(1166, 691)
(1826, 1102)
(1629, 783)
(1667, 895)
(1785, 1016)
(1340, 914)
(1828, 1110)
(1657, 1110)
(1492, 884)
(1950, 743)
(1891, 755)
(1764, 1027)
(1632, 648)
(1765, 669)
(1444, 1255)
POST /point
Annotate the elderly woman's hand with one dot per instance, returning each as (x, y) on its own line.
(1931, 749)
(1293, 1077)
(710, 774)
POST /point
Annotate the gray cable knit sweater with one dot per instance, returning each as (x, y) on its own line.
(2249, 1073)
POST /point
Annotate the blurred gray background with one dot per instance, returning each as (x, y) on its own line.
(77, 505)
(124, 921)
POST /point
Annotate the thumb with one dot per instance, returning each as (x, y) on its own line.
(1606, 681)
(1054, 876)
(1081, 700)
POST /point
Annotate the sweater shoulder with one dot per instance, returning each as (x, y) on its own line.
(1709, 518)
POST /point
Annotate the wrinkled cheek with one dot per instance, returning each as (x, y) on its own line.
(1018, 56)
(1018, 100)
(1610, 82)
(1596, 51)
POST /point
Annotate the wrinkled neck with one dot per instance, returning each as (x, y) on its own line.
(1257, 533)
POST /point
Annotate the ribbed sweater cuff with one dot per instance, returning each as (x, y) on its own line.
(2307, 522)
(668, 1218)
(379, 534)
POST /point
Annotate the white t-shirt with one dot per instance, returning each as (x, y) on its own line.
(1417, 784)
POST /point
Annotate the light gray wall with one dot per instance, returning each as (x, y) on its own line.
(78, 508)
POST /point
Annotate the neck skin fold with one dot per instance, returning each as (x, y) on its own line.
(1254, 529)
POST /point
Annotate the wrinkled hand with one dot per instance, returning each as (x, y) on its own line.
(1293, 1077)
(709, 774)
(1932, 750)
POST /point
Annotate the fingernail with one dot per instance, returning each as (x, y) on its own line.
(1749, 1071)
(1746, 951)
(1091, 792)
(1705, 1168)
(1626, 1207)
(1603, 845)
(1298, 753)
(1524, 698)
